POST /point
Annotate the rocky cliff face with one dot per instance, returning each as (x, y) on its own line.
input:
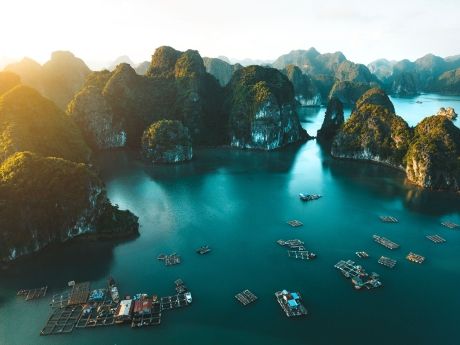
(333, 120)
(222, 70)
(449, 82)
(167, 141)
(348, 92)
(305, 90)
(58, 79)
(51, 200)
(433, 159)
(8, 80)
(261, 109)
(373, 132)
(448, 113)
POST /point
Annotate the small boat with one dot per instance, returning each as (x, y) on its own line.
(362, 255)
(309, 197)
(113, 290)
(188, 297)
(203, 250)
(419, 102)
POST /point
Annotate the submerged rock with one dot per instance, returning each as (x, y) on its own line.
(373, 132)
(261, 107)
(333, 120)
(433, 158)
(447, 112)
(51, 200)
(167, 141)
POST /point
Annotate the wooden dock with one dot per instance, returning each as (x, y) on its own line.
(415, 258)
(385, 242)
(385, 261)
(295, 223)
(450, 225)
(246, 297)
(62, 320)
(436, 239)
(389, 219)
(301, 254)
(30, 294)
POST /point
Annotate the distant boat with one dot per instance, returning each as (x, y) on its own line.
(419, 102)
(188, 297)
(309, 197)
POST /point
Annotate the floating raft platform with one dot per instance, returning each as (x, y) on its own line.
(309, 197)
(358, 275)
(385, 261)
(97, 314)
(301, 254)
(173, 302)
(451, 225)
(180, 286)
(415, 258)
(385, 242)
(203, 250)
(292, 244)
(291, 303)
(246, 297)
(60, 300)
(62, 320)
(436, 238)
(389, 219)
(170, 260)
(362, 255)
(295, 223)
(79, 293)
(150, 318)
(31, 294)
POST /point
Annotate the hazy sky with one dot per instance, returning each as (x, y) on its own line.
(101, 30)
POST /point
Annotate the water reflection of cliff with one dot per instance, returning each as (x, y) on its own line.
(389, 183)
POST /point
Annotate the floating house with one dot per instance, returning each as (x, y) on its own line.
(124, 311)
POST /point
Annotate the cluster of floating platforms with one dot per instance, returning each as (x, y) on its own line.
(297, 249)
(180, 286)
(385, 261)
(385, 242)
(436, 238)
(295, 223)
(62, 320)
(301, 254)
(309, 197)
(362, 255)
(175, 301)
(147, 312)
(97, 314)
(450, 225)
(292, 244)
(358, 275)
(31, 294)
(415, 258)
(389, 219)
(170, 260)
(246, 297)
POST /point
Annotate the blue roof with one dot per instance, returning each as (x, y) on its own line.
(295, 295)
(292, 303)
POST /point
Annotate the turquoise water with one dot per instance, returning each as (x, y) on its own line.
(238, 203)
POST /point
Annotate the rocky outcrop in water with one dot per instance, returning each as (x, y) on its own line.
(261, 107)
(433, 159)
(306, 92)
(373, 132)
(447, 112)
(333, 120)
(58, 79)
(167, 141)
(51, 200)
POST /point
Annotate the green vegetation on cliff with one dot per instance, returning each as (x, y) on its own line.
(46, 200)
(433, 158)
(373, 132)
(30, 122)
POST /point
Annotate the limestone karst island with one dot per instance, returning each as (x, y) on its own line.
(207, 173)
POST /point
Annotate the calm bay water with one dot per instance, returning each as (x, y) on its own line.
(238, 203)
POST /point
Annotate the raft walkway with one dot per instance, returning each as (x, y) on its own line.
(450, 225)
(246, 297)
(173, 302)
(389, 219)
(385, 242)
(79, 293)
(436, 239)
(385, 261)
(170, 260)
(31, 294)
